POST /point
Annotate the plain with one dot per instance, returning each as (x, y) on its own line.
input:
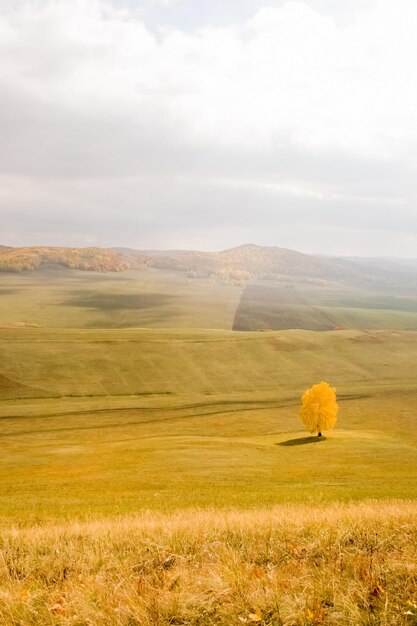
(154, 468)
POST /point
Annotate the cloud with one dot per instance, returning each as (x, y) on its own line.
(164, 3)
(287, 118)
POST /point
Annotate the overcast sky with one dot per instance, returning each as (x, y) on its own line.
(208, 124)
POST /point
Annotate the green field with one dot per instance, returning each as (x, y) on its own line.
(112, 421)
(129, 391)
(55, 297)
(154, 469)
(322, 307)
(58, 297)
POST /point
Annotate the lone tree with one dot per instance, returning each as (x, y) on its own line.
(319, 408)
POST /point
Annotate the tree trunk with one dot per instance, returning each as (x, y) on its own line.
(319, 435)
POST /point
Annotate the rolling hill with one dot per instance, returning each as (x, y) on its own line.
(237, 265)
(135, 459)
(33, 258)
(244, 289)
(131, 419)
(252, 262)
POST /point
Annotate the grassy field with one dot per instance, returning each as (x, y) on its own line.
(161, 474)
(58, 297)
(118, 421)
(304, 306)
(288, 566)
(55, 297)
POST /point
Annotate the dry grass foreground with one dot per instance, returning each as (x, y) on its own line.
(292, 565)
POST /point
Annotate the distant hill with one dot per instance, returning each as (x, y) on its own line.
(32, 258)
(252, 262)
(235, 266)
(245, 288)
(256, 262)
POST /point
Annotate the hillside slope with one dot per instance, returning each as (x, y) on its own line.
(248, 288)
(143, 362)
(134, 420)
(250, 262)
(32, 258)
(236, 266)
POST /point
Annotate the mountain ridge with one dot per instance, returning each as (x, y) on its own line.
(236, 265)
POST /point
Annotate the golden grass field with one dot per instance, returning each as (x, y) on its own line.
(163, 475)
(112, 421)
(289, 566)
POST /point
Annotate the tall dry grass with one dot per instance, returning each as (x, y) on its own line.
(293, 565)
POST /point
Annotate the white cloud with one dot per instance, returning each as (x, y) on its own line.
(164, 3)
(288, 71)
(291, 100)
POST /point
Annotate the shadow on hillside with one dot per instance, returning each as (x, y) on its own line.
(117, 301)
(301, 441)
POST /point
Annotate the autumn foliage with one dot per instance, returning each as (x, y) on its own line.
(92, 259)
(319, 407)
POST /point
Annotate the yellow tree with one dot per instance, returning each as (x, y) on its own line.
(319, 408)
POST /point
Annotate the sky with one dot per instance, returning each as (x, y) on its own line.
(205, 125)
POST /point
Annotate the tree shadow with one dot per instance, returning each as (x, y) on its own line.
(301, 441)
